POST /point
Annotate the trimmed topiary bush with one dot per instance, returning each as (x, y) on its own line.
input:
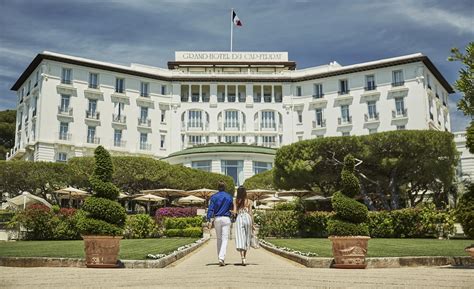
(350, 216)
(465, 212)
(101, 214)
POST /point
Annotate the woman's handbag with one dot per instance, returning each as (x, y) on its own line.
(254, 241)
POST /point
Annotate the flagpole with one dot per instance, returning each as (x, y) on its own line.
(231, 27)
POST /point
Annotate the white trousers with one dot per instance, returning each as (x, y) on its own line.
(222, 225)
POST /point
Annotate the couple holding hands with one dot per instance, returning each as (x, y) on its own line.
(222, 208)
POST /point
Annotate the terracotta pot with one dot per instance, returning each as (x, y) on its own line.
(349, 251)
(101, 251)
(470, 251)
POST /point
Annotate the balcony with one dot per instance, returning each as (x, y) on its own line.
(194, 126)
(343, 98)
(64, 136)
(318, 101)
(343, 92)
(344, 121)
(266, 126)
(398, 83)
(319, 125)
(93, 86)
(120, 96)
(119, 118)
(92, 115)
(144, 122)
(270, 144)
(120, 143)
(66, 81)
(369, 118)
(370, 87)
(66, 87)
(144, 94)
(400, 114)
(232, 126)
(145, 146)
(93, 92)
(65, 112)
(93, 140)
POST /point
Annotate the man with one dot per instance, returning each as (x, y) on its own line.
(220, 206)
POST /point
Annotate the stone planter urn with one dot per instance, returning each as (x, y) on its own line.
(349, 251)
(470, 251)
(101, 251)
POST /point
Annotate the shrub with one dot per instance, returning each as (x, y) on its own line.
(287, 206)
(171, 212)
(182, 222)
(277, 223)
(66, 225)
(102, 214)
(140, 226)
(314, 224)
(350, 216)
(465, 212)
(6, 216)
(381, 224)
(193, 232)
(37, 219)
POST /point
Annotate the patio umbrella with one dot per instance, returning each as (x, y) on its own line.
(262, 207)
(273, 200)
(316, 198)
(73, 193)
(26, 199)
(203, 193)
(191, 200)
(296, 193)
(257, 194)
(166, 193)
(148, 198)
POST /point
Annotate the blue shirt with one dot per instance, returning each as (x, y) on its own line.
(220, 205)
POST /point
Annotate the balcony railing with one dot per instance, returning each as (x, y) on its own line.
(92, 114)
(145, 146)
(343, 121)
(233, 126)
(66, 81)
(371, 117)
(119, 90)
(93, 140)
(93, 86)
(370, 87)
(120, 143)
(318, 96)
(144, 94)
(269, 144)
(64, 136)
(399, 113)
(399, 83)
(144, 122)
(343, 92)
(319, 124)
(437, 95)
(268, 125)
(119, 118)
(65, 110)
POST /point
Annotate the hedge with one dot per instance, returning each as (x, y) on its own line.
(465, 212)
(182, 223)
(140, 226)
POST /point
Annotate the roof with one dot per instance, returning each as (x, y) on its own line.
(167, 75)
(225, 148)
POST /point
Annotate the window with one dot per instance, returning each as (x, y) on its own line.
(65, 100)
(372, 130)
(300, 138)
(143, 114)
(144, 141)
(118, 112)
(195, 140)
(428, 80)
(163, 89)
(231, 138)
(370, 82)
(64, 131)
(257, 93)
(231, 119)
(119, 85)
(92, 107)
(299, 91)
(162, 141)
(61, 157)
(319, 117)
(37, 77)
(436, 91)
(300, 117)
(318, 91)
(118, 138)
(400, 127)
(268, 119)
(66, 76)
(260, 167)
(91, 134)
(93, 80)
(346, 133)
(397, 78)
(345, 117)
(372, 110)
(343, 86)
(202, 165)
(195, 118)
(144, 89)
(163, 116)
(400, 106)
(29, 87)
(234, 169)
(268, 141)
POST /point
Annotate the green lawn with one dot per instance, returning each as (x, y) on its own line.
(383, 247)
(129, 249)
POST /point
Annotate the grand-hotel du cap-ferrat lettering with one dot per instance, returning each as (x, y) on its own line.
(230, 56)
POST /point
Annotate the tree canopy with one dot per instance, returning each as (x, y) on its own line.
(398, 168)
(7, 131)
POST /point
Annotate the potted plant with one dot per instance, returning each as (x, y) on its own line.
(347, 229)
(102, 218)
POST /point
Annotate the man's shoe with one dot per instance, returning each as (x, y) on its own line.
(221, 263)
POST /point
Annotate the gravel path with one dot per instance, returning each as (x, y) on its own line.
(265, 270)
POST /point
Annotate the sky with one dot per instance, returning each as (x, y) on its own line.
(313, 32)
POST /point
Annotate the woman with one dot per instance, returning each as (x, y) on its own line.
(243, 223)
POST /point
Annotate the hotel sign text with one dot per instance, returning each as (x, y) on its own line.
(231, 56)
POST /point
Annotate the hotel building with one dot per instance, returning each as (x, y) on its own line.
(223, 112)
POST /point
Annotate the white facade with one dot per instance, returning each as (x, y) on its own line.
(68, 105)
(465, 168)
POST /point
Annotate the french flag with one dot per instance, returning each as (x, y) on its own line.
(235, 19)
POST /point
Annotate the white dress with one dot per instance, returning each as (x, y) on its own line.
(243, 229)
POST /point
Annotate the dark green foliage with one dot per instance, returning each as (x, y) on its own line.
(350, 183)
(338, 227)
(470, 137)
(401, 164)
(465, 82)
(140, 226)
(106, 210)
(37, 219)
(182, 223)
(465, 212)
(7, 131)
(286, 206)
(348, 209)
(277, 223)
(381, 225)
(195, 232)
(260, 181)
(102, 214)
(314, 224)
